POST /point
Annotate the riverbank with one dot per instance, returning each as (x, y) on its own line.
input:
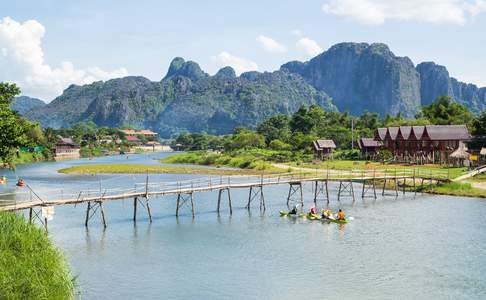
(93, 169)
(338, 168)
(31, 267)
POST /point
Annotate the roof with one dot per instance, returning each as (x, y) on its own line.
(152, 143)
(447, 132)
(460, 152)
(404, 132)
(135, 132)
(483, 151)
(380, 133)
(66, 141)
(369, 143)
(324, 144)
(417, 132)
(392, 132)
(132, 139)
(147, 132)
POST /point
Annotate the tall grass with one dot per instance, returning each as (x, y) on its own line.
(30, 266)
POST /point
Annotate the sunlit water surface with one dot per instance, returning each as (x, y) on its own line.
(422, 247)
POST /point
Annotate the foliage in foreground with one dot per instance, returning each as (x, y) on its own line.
(30, 266)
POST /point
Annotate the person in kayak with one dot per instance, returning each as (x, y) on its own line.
(313, 210)
(326, 213)
(340, 215)
(294, 210)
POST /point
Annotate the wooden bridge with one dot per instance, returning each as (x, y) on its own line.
(141, 193)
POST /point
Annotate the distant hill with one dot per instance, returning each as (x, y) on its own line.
(187, 99)
(354, 77)
(23, 104)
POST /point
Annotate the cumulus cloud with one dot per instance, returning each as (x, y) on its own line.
(377, 12)
(270, 44)
(308, 46)
(22, 62)
(240, 64)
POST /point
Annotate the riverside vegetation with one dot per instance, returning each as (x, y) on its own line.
(30, 266)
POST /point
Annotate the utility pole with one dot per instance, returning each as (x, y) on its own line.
(352, 134)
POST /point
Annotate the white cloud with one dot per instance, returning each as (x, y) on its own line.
(309, 47)
(238, 63)
(22, 62)
(270, 44)
(377, 12)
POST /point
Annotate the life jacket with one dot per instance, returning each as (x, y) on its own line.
(20, 183)
(341, 215)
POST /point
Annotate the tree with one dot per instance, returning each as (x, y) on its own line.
(275, 128)
(301, 121)
(479, 124)
(444, 111)
(245, 139)
(13, 128)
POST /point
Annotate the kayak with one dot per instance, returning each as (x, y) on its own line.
(313, 216)
(287, 214)
(337, 221)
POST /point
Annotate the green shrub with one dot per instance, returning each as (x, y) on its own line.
(30, 266)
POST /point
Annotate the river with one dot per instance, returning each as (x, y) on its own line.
(422, 247)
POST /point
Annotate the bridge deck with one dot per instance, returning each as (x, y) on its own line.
(192, 186)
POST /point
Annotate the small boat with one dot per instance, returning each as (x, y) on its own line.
(284, 213)
(336, 221)
(313, 216)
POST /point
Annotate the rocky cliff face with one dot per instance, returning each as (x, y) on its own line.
(23, 104)
(435, 80)
(357, 77)
(363, 77)
(187, 99)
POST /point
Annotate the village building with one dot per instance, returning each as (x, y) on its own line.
(369, 147)
(425, 144)
(145, 132)
(323, 149)
(131, 139)
(153, 146)
(65, 148)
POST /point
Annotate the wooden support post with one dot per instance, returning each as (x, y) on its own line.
(339, 191)
(229, 202)
(192, 205)
(178, 204)
(135, 202)
(100, 203)
(294, 188)
(148, 209)
(219, 199)
(30, 215)
(384, 187)
(87, 214)
(256, 191)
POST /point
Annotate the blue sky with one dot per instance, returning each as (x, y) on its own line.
(82, 41)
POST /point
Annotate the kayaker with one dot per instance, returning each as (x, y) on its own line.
(20, 183)
(313, 210)
(326, 213)
(341, 215)
(3, 180)
(294, 210)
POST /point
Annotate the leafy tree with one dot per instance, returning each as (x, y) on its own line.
(479, 124)
(275, 128)
(245, 139)
(13, 128)
(301, 121)
(444, 111)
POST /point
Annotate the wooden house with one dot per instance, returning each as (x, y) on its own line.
(424, 144)
(65, 148)
(369, 147)
(323, 149)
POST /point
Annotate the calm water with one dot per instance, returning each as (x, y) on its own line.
(427, 247)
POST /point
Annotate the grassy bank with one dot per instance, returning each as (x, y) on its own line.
(257, 159)
(263, 159)
(152, 169)
(456, 189)
(30, 266)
